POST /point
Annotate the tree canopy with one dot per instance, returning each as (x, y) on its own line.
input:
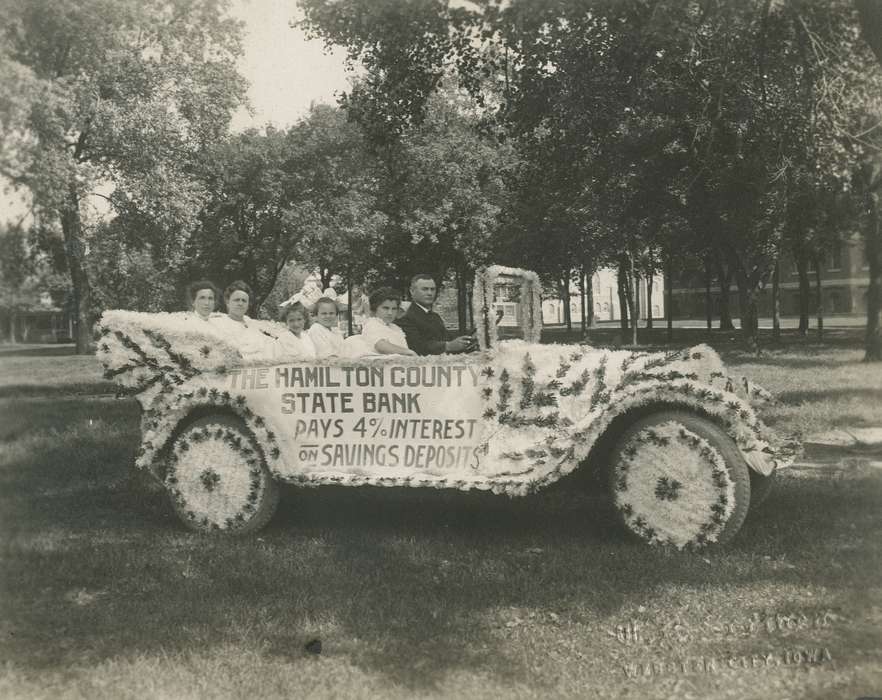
(113, 100)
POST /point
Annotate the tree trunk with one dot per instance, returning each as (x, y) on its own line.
(582, 300)
(75, 252)
(804, 290)
(669, 301)
(635, 300)
(460, 301)
(12, 324)
(622, 287)
(565, 298)
(589, 298)
(649, 278)
(349, 302)
(776, 302)
(708, 299)
(725, 277)
(873, 248)
(470, 312)
(325, 275)
(635, 277)
(747, 300)
(819, 298)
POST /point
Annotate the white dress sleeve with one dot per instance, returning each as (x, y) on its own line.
(289, 346)
(375, 330)
(250, 342)
(327, 342)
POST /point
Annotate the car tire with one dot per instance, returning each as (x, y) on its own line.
(217, 477)
(676, 478)
(760, 488)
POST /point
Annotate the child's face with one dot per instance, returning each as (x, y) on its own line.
(326, 314)
(387, 312)
(296, 323)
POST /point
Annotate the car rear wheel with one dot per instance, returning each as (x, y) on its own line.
(677, 479)
(217, 477)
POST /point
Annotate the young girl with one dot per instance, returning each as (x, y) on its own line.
(379, 332)
(324, 334)
(295, 343)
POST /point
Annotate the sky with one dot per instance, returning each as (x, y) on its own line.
(286, 71)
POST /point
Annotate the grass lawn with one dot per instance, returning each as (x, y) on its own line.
(424, 593)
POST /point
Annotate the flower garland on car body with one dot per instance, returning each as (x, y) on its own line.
(163, 416)
(545, 406)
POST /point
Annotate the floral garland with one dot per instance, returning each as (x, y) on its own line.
(545, 422)
(672, 487)
(142, 351)
(540, 423)
(215, 478)
(162, 418)
(544, 405)
(531, 303)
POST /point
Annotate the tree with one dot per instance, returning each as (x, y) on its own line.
(114, 96)
(28, 271)
(16, 267)
(450, 188)
(244, 229)
(869, 180)
(336, 203)
(698, 112)
(127, 272)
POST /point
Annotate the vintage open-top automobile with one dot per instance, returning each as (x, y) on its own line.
(676, 441)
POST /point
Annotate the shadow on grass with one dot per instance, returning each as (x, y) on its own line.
(95, 569)
(85, 389)
(37, 350)
(52, 420)
(819, 395)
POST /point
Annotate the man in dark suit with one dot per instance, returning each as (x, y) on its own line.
(424, 329)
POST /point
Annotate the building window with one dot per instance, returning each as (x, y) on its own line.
(834, 259)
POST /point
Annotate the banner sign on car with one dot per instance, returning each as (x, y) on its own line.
(339, 418)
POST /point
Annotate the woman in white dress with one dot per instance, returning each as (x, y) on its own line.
(294, 343)
(252, 343)
(324, 334)
(379, 333)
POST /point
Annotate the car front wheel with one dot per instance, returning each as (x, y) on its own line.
(217, 478)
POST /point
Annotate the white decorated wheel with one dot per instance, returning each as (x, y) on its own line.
(217, 478)
(678, 479)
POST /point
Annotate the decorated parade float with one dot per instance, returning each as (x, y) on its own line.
(674, 440)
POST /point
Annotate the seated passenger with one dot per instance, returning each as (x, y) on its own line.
(295, 342)
(252, 343)
(379, 334)
(423, 327)
(202, 296)
(325, 336)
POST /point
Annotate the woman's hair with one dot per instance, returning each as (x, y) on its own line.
(383, 294)
(327, 300)
(195, 287)
(297, 308)
(238, 286)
